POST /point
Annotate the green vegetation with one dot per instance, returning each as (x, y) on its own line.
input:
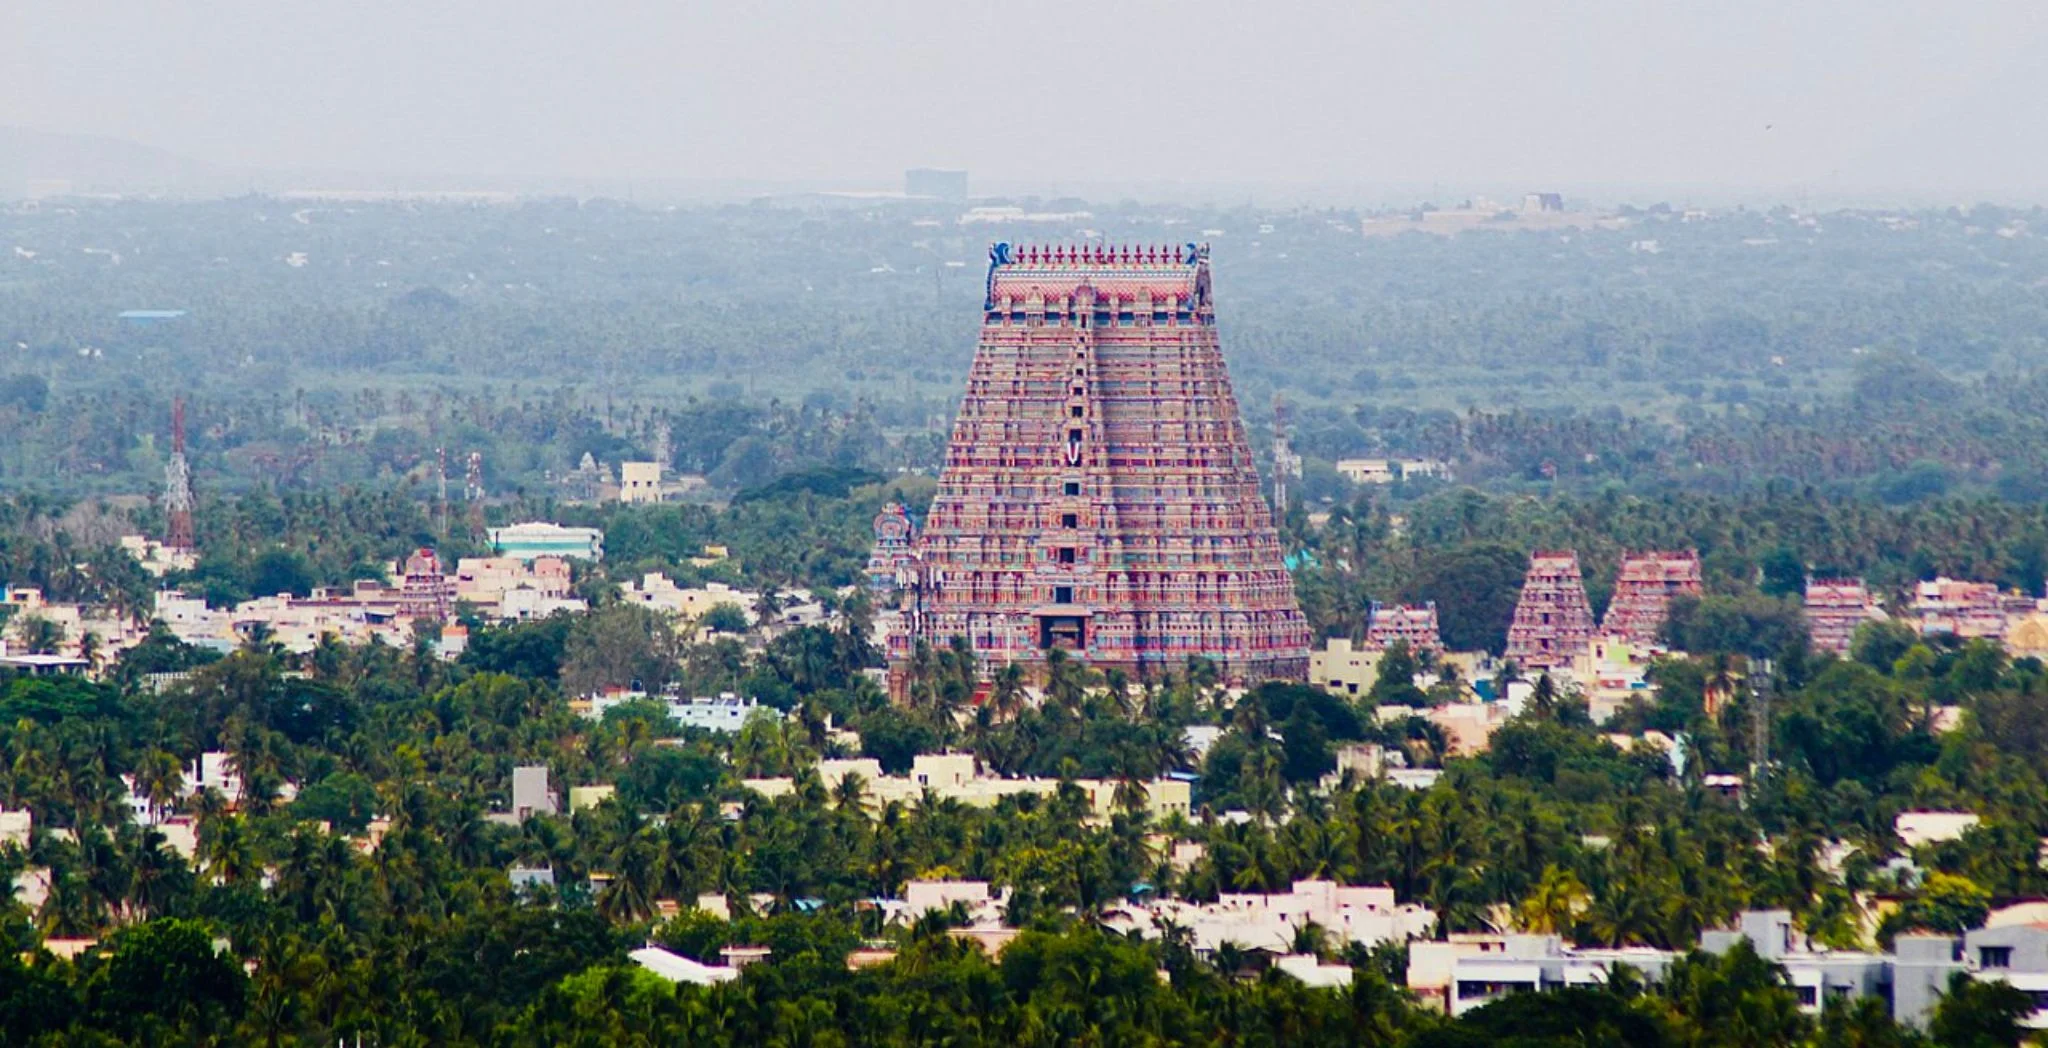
(1858, 397)
(1893, 355)
(423, 938)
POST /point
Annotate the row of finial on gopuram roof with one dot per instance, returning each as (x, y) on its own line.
(1007, 254)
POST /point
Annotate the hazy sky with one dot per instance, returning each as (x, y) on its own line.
(1863, 95)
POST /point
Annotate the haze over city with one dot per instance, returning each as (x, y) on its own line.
(1210, 524)
(1915, 102)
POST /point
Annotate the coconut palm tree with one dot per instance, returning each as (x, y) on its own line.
(1556, 906)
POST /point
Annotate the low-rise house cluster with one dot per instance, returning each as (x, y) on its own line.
(954, 776)
(658, 592)
(35, 626)
(1387, 471)
(157, 558)
(1469, 971)
(514, 588)
(502, 588)
(1363, 915)
(725, 713)
(1966, 609)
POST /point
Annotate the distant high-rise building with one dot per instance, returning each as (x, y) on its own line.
(1099, 493)
(935, 182)
(1553, 621)
(1643, 590)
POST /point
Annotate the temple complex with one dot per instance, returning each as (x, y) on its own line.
(1834, 608)
(1643, 590)
(1553, 621)
(1099, 493)
(1413, 623)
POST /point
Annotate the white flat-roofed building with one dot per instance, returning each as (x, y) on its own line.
(1483, 969)
(1367, 915)
(542, 539)
(725, 713)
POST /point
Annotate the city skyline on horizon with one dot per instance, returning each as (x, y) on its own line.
(1855, 102)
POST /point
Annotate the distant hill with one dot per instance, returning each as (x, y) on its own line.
(47, 163)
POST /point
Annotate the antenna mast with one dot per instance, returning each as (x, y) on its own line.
(1286, 463)
(441, 468)
(473, 493)
(664, 450)
(178, 486)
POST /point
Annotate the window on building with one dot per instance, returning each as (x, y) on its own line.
(1063, 594)
(1066, 554)
(1070, 520)
(1076, 410)
(1072, 487)
(1994, 957)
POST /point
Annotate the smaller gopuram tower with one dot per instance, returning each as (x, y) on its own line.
(1553, 621)
(1413, 623)
(892, 551)
(1834, 608)
(1643, 592)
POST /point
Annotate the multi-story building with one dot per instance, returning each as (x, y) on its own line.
(1643, 590)
(1553, 621)
(640, 482)
(1343, 669)
(1099, 493)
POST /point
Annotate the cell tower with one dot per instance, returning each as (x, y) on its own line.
(1285, 462)
(473, 493)
(178, 486)
(441, 470)
(664, 449)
